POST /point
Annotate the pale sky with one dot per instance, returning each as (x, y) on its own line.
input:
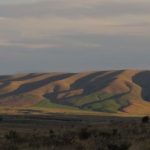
(74, 35)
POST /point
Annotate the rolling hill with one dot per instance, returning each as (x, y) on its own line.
(117, 92)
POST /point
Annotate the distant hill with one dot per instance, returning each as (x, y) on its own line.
(121, 92)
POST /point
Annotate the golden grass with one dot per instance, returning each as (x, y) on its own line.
(122, 83)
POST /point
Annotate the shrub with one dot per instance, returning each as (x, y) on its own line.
(1, 118)
(84, 134)
(145, 119)
(12, 136)
(123, 146)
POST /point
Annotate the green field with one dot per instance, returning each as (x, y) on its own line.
(48, 104)
(102, 102)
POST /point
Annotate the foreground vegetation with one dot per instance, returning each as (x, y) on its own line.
(132, 135)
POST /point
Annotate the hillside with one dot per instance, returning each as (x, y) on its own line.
(118, 92)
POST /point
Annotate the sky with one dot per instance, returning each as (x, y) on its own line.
(74, 35)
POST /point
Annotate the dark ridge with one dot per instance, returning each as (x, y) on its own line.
(4, 84)
(53, 96)
(87, 84)
(115, 97)
(143, 80)
(78, 84)
(29, 76)
(5, 77)
(83, 82)
(35, 85)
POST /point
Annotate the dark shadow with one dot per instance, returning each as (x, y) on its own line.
(5, 77)
(35, 85)
(4, 84)
(83, 82)
(143, 80)
(28, 76)
(6, 80)
(91, 83)
(115, 97)
(95, 82)
(106, 99)
(53, 95)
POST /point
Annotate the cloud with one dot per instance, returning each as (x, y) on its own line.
(91, 32)
(51, 32)
(76, 9)
(26, 45)
(5, 2)
(58, 17)
(54, 25)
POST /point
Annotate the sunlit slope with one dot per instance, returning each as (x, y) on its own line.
(122, 91)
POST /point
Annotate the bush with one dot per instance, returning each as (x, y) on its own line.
(84, 134)
(12, 136)
(1, 118)
(145, 119)
(123, 146)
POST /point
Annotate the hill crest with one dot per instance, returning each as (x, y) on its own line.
(118, 91)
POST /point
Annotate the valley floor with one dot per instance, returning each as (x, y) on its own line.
(73, 132)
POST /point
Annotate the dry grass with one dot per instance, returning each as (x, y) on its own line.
(75, 86)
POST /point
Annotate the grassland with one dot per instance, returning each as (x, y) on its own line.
(101, 102)
(48, 104)
(112, 92)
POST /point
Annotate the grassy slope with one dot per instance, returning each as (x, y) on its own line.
(97, 101)
(48, 104)
(131, 103)
(101, 102)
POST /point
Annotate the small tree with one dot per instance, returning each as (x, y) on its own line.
(84, 134)
(1, 118)
(145, 119)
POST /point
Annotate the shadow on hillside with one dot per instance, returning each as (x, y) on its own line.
(6, 80)
(115, 97)
(35, 85)
(5, 77)
(95, 81)
(28, 76)
(4, 84)
(143, 80)
(91, 83)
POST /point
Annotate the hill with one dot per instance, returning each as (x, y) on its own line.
(122, 92)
